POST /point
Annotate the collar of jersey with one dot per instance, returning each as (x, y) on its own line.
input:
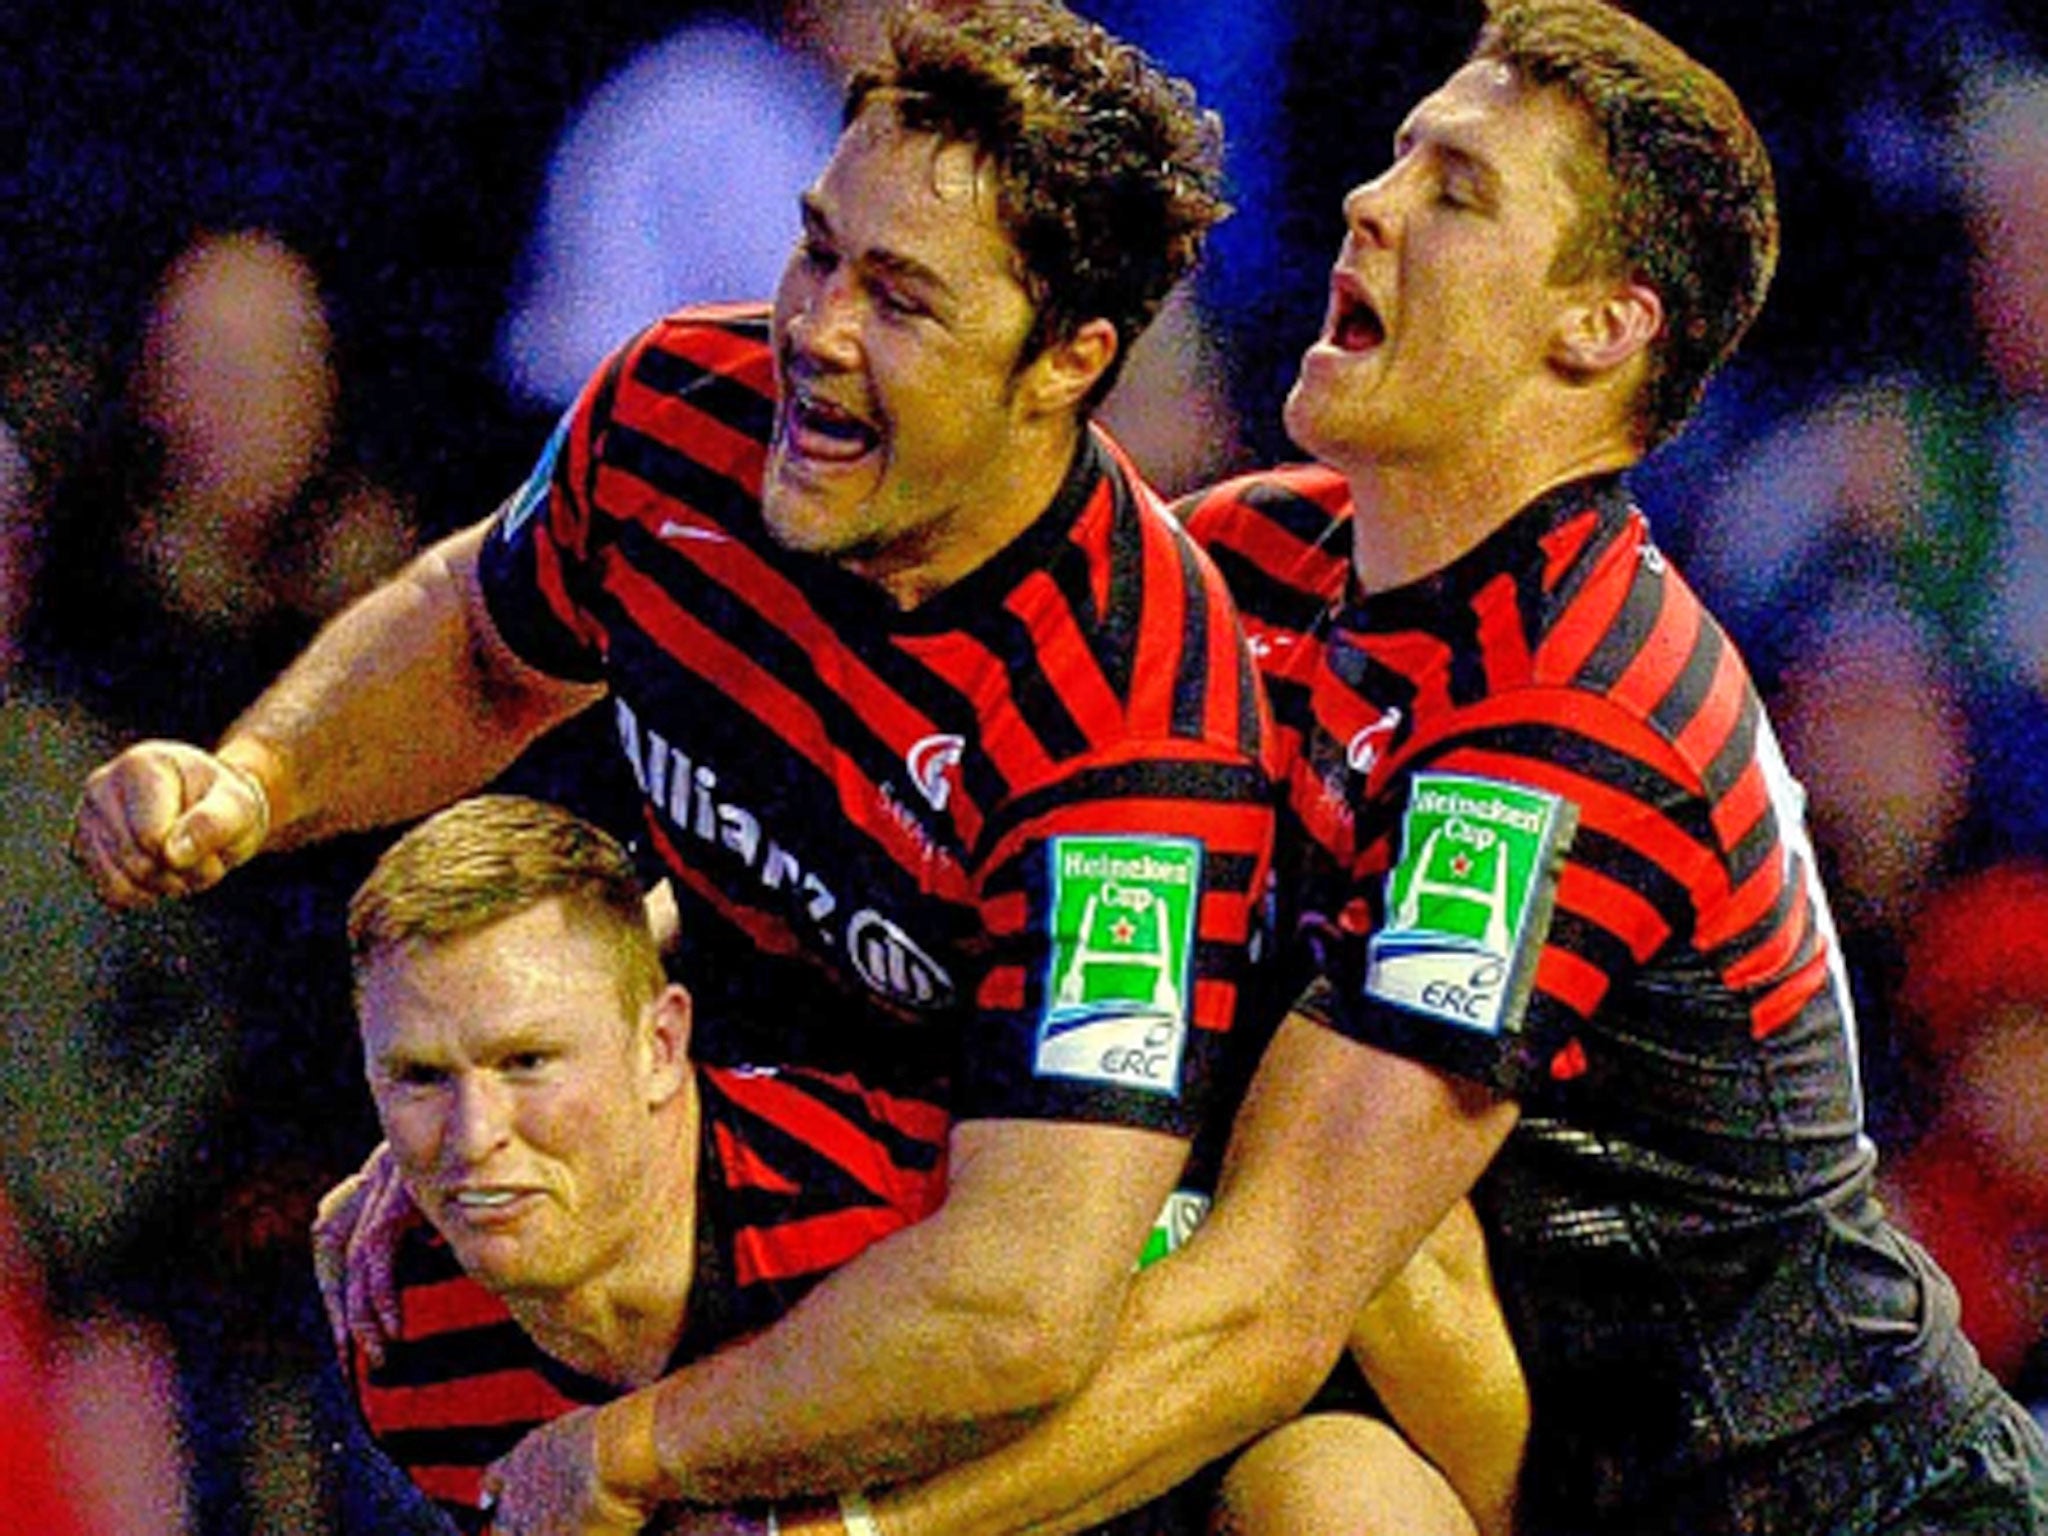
(1513, 548)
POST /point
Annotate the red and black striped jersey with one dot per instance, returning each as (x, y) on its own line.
(798, 1172)
(1537, 833)
(1655, 839)
(1007, 847)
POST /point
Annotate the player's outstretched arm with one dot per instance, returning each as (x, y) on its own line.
(405, 701)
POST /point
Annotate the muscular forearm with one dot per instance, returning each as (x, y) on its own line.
(862, 1387)
(1196, 1371)
(1233, 1334)
(939, 1343)
(404, 702)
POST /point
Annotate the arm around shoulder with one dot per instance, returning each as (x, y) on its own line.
(936, 1344)
(1343, 1159)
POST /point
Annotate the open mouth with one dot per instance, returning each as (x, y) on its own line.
(819, 429)
(1355, 326)
(485, 1199)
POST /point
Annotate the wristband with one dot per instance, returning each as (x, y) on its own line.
(246, 777)
(814, 1517)
(858, 1515)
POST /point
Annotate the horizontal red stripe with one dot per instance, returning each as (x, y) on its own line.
(1574, 981)
(448, 1306)
(451, 1485)
(809, 1246)
(1782, 1004)
(491, 1397)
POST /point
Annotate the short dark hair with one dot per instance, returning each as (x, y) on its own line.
(491, 857)
(1108, 174)
(1682, 198)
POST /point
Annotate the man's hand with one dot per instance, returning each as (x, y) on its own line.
(355, 1244)
(166, 819)
(564, 1479)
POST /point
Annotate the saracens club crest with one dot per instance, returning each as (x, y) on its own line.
(1366, 744)
(930, 764)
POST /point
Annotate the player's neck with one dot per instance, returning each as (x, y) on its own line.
(1414, 519)
(622, 1326)
(1020, 485)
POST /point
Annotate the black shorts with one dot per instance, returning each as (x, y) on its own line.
(1954, 1455)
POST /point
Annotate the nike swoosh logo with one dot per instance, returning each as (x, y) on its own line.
(671, 529)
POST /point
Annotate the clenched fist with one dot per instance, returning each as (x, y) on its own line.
(166, 819)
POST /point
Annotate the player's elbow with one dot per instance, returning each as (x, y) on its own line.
(1022, 1331)
(1301, 1319)
(508, 698)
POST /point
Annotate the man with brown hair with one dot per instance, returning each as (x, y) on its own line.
(945, 736)
(1561, 939)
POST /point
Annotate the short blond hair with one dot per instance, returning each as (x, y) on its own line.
(491, 857)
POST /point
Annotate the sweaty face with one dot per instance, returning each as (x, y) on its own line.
(1441, 314)
(899, 322)
(517, 1099)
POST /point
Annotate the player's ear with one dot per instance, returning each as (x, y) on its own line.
(1612, 325)
(666, 1043)
(1060, 377)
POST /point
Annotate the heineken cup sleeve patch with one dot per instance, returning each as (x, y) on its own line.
(1120, 976)
(1174, 1225)
(1468, 902)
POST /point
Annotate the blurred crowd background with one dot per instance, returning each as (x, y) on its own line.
(287, 290)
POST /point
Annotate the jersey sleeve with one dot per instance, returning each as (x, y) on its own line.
(1466, 914)
(1127, 896)
(1538, 866)
(1125, 912)
(539, 555)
